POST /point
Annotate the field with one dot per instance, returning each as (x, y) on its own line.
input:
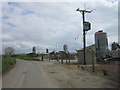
(30, 59)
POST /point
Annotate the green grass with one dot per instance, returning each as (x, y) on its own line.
(0, 65)
(7, 62)
(30, 58)
(24, 56)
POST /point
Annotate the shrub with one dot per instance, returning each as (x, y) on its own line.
(7, 61)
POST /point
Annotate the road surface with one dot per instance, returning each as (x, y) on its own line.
(44, 74)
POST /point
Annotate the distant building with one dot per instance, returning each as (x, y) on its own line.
(32, 55)
(115, 46)
(90, 54)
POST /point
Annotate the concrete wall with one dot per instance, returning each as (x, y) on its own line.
(90, 55)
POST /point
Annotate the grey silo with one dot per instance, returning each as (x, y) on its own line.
(101, 43)
(65, 48)
(34, 49)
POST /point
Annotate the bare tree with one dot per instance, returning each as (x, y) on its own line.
(9, 50)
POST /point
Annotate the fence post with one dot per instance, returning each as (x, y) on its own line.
(69, 61)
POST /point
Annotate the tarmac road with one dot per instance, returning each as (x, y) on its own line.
(44, 74)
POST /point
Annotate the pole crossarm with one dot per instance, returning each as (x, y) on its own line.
(84, 31)
(84, 10)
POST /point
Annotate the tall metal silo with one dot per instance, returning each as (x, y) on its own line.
(34, 49)
(65, 48)
(47, 51)
(101, 43)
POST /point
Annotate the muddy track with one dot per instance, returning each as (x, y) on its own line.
(44, 74)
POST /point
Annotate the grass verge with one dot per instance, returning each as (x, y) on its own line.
(30, 59)
(7, 62)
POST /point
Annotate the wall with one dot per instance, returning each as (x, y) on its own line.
(90, 55)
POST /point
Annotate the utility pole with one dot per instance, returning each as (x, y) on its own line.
(86, 27)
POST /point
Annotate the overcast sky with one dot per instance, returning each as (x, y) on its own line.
(53, 24)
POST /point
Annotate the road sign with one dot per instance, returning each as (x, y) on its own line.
(87, 26)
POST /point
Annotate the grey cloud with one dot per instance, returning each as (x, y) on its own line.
(50, 25)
